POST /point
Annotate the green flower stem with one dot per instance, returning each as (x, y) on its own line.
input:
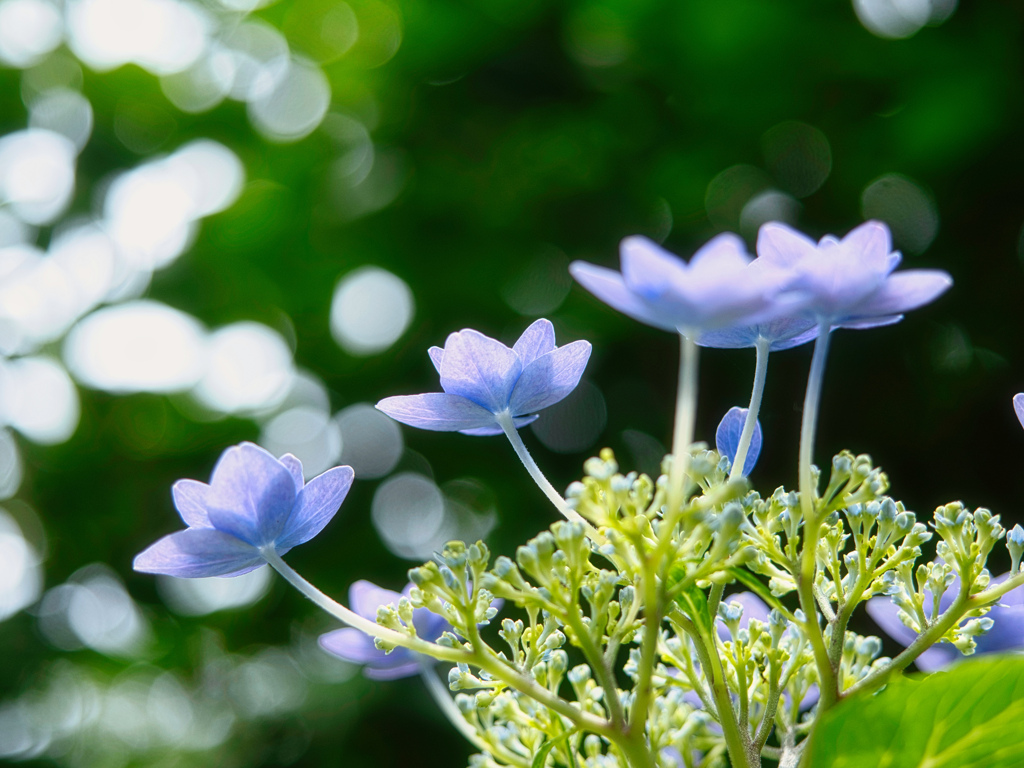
(812, 523)
(961, 606)
(352, 619)
(771, 706)
(737, 742)
(686, 412)
(760, 374)
(439, 693)
(648, 649)
(509, 427)
(597, 661)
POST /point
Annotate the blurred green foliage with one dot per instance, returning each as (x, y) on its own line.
(510, 135)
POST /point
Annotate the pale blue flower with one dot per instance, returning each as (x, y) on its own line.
(727, 437)
(1006, 634)
(356, 647)
(1018, 407)
(721, 287)
(254, 503)
(483, 380)
(850, 283)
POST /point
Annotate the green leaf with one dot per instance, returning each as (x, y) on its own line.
(693, 602)
(967, 717)
(545, 748)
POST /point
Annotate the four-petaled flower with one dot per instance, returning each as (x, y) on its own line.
(254, 504)
(849, 283)
(353, 646)
(485, 382)
(721, 287)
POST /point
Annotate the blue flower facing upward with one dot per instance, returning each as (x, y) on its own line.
(484, 382)
(254, 504)
(357, 647)
(727, 438)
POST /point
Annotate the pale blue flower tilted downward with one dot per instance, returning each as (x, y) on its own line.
(720, 287)
(357, 647)
(255, 503)
(727, 437)
(484, 381)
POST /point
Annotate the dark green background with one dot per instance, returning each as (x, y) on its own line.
(514, 147)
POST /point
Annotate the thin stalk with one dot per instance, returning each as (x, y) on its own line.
(812, 525)
(686, 412)
(439, 693)
(509, 427)
(352, 619)
(760, 374)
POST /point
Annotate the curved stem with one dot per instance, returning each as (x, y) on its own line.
(812, 525)
(761, 347)
(439, 693)
(686, 413)
(352, 619)
(509, 428)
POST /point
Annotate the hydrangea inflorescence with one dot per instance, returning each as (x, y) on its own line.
(627, 650)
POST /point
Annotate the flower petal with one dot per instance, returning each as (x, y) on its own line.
(886, 616)
(753, 608)
(783, 246)
(480, 369)
(436, 356)
(190, 501)
(294, 467)
(436, 411)
(365, 597)
(727, 437)
(608, 286)
(550, 378)
(904, 291)
(872, 244)
(874, 322)
(1018, 407)
(353, 646)
(251, 494)
(648, 269)
(198, 553)
(315, 505)
(537, 340)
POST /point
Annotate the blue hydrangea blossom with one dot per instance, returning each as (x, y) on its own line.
(254, 503)
(357, 647)
(484, 380)
(727, 438)
(721, 287)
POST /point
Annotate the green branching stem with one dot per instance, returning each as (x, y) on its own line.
(598, 663)
(352, 619)
(653, 614)
(439, 693)
(812, 522)
(760, 374)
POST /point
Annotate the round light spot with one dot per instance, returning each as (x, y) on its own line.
(259, 57)
(141, 346)
(798, 155)
(29, 29)
(294, 106)
(370, 310)
(308, 433)
(575, 423)
(408, 510)
(202, 86)
(37, 174)
(63, 111)
(908, 209)
(89, 258)
(38, 399)
(38, 300)
(13, 230)
(10, 465)
(212, 174)
(596, 35)
(729, 191)
(769, 205)
(371, 442)
(249, 369)
(20, 572)
(199, 597)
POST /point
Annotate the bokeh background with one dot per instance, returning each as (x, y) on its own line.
(226, 220)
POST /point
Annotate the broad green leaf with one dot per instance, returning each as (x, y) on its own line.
(694, 603)
(967, 717)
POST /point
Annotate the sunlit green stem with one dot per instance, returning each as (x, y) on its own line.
(812, 525)
(686, 413)
(509, 427)
(352, 619)
(760, 373)
(443, 699)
